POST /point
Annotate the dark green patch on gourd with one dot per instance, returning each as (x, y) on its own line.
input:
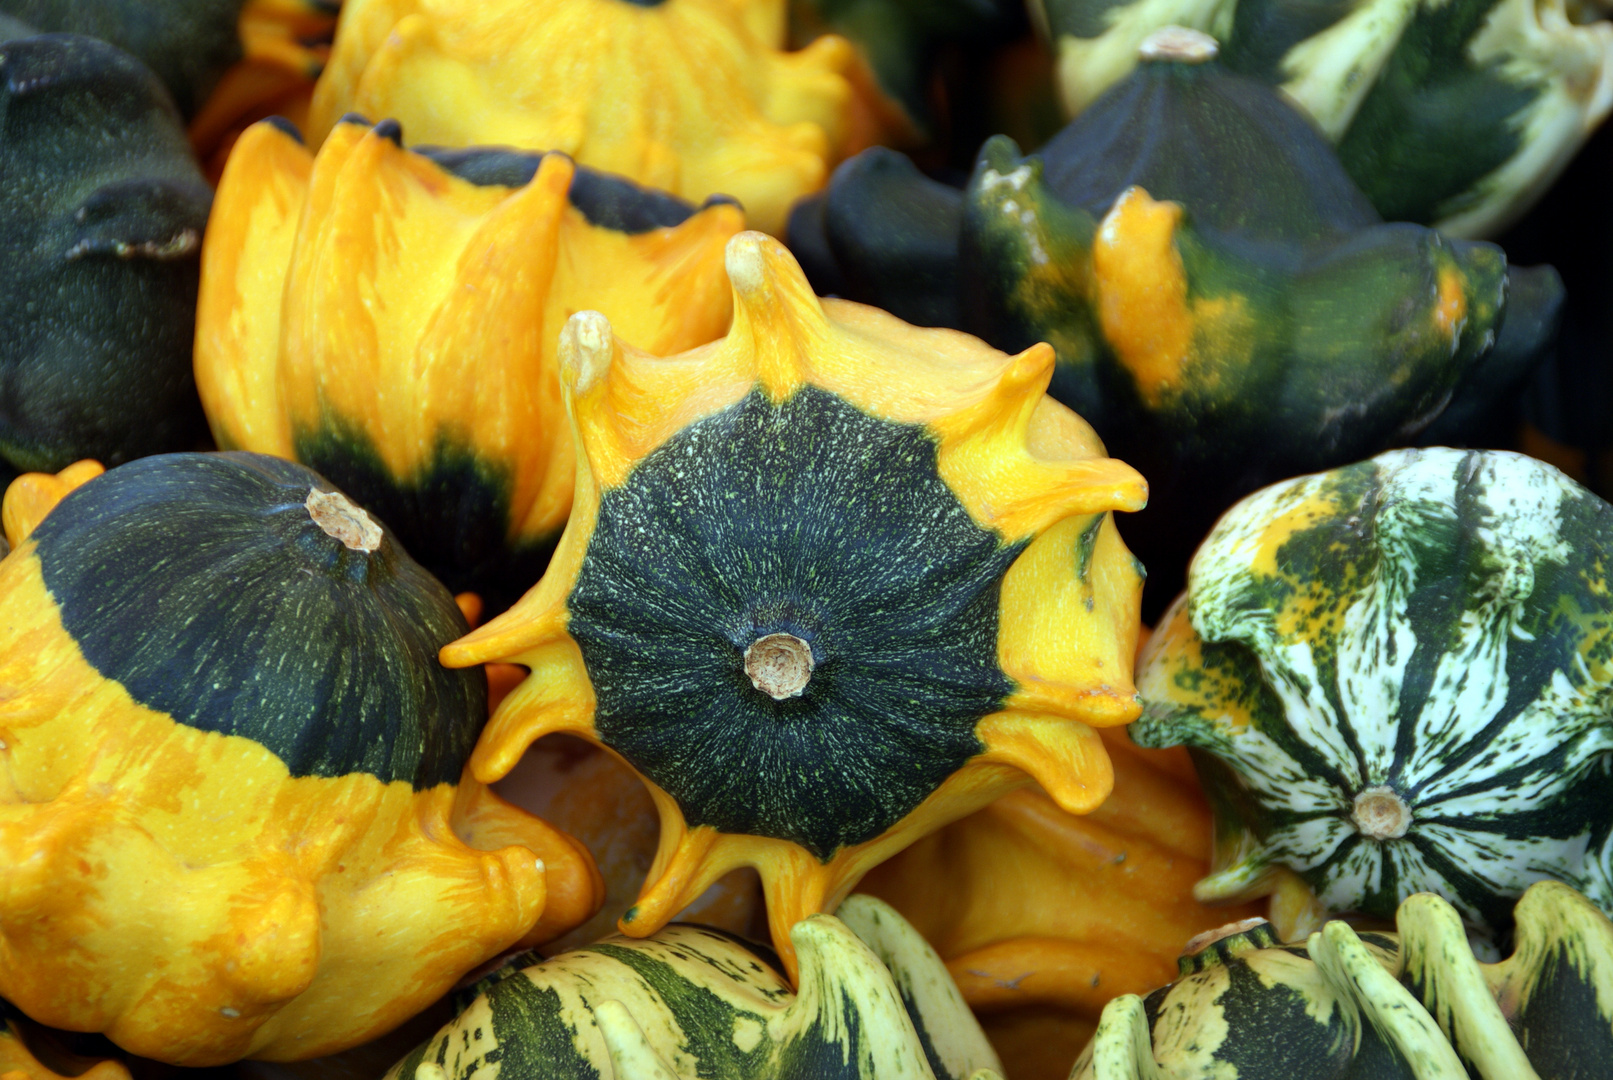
(535, 1035)
(815, 1054)
(102, 209)
(807, 518)
(705, 1019)
(1434, 123)
(1561, 1026)
(1085, 19)
(1271, 1035)
(200, 583)
(608, 201)
(453, 516)
(188, 44)
(1263, 33)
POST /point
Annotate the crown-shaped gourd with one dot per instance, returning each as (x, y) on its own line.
(389, 318)
(691, 96)
(828, 583)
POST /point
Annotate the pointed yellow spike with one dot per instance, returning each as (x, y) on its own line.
(556, 697)
(32, 496)
(1065, 757)
(777, 317)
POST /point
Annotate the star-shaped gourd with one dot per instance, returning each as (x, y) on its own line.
(690, 96)
(828, 584)
(388, 318)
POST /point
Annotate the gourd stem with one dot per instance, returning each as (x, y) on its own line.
(1381, 814)
(1179, 44)
(340, 517)
(779, 665)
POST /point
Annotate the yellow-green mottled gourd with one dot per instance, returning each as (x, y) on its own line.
(694, 97)
(389, 318)
(829, 583)
(234, 816)
(690, 1003)
(1413, 1004)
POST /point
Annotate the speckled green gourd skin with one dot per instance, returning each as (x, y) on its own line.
(188, 44)
(201, 585)
(101, 214)
(1437, 624)
(813, 519)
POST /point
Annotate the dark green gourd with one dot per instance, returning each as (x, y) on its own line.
(178, 575)
(101, 216)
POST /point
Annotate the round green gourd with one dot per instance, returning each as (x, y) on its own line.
(101, 216)
(1395, 677)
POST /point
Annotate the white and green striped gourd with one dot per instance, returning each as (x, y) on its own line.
(874, 1002)
(1397, 677)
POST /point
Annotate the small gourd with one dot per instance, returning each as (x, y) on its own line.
(388, 317)
(19, 1060)
(873, 1003)
(829, 583)
(101, 216)
(694, 97)
(233, 815)
(1457, 115)
(1395, 677)
(1413, 1004)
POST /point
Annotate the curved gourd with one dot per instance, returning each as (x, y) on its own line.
(874, 1003)
(689, 96)
(101, 212)
(233, 815)
(828, 584)
(1457, 116)
(1414, 1004)
(20, 1061)
(1394, 678)
(389, 318)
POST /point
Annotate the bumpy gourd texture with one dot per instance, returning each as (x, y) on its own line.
(1457, 115)
(906, 507)
(101, 217)
(689, 96)
(874, 1003)
(1395, 677)
(389, 318)
(1412, 1003)
(232, 814)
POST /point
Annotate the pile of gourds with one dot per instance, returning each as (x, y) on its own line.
(487, 474)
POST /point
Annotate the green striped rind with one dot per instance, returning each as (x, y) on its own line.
(1432, 623)
(694, 1002)
(1412, 1004)
(1452, 113)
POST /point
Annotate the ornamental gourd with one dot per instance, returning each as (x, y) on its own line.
(689, 96)
(1414, 1004)
(21, 1061)
(873, 1003)
(389, 317)
(1041, 914)
(1394, 678)
(1227, 308)
(101, 218)
(828, 583)
(1455, 115)
(233, 819)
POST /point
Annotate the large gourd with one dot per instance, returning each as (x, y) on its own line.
(828, 583)
(389, 318)
(233, 815)
(1394, 678)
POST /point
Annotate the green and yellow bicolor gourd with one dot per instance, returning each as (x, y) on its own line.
(828, 584)
(1413, 1004)
(1043, 916)
(1396, 677)
(694, 97)
(1456, 115)
(234, 818)
(873, 1002)
(1227, 308)
(389, 318)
